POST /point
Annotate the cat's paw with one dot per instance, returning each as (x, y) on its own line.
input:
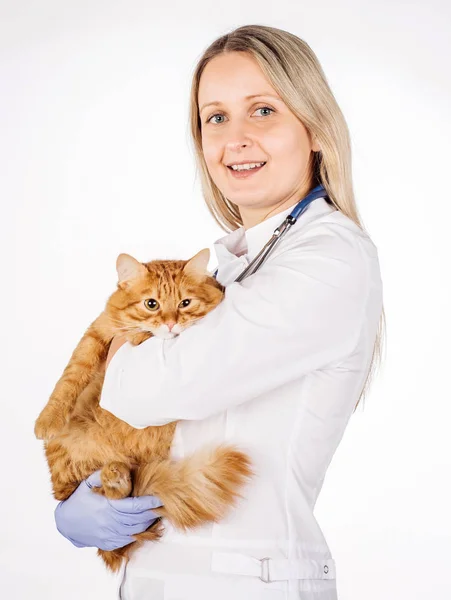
(48, 425)
(116, 481)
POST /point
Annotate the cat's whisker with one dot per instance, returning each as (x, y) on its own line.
(116, 321)
(119, 328)
(123, 327)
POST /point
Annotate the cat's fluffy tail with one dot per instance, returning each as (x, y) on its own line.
(198, 488)
(194, 490)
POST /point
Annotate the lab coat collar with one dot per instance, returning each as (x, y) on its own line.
(238, 248)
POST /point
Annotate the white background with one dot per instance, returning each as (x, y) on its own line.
(95, 160)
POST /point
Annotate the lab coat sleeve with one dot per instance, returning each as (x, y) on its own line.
(301, 311)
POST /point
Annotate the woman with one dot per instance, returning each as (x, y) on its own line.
(279, 366)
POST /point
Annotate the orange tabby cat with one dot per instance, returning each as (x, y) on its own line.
(80, 437)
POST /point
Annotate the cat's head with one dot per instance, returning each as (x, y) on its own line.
(162, 297)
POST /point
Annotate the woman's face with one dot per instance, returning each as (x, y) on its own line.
(238, 129)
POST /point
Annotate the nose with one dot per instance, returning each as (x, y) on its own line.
(170, 324)
(237, 142)
(237, 134)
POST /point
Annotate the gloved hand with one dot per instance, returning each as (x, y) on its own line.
(89, 519)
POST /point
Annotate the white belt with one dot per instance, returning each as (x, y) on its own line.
(272, 569)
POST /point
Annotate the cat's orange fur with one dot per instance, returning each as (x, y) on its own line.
(80, 437)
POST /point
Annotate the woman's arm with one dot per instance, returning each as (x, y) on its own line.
(118, 341)
(303, 310)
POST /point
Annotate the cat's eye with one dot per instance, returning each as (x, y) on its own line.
(151, 304)
(184, 303)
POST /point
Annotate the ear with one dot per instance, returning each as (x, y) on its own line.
(128, 269)
(315, 145)
(198, 264)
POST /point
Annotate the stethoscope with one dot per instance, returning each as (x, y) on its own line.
(279, 232)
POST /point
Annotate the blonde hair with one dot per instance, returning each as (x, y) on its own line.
(294, 71)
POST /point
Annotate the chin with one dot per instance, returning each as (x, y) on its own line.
(165, 335)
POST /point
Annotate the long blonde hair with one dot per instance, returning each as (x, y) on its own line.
(294, 71)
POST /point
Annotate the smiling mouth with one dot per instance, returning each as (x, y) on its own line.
(246, 170)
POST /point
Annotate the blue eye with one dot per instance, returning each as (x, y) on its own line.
(221, 115)
(217, 115)
(265, 108)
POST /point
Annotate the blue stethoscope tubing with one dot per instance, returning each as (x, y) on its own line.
(279, 232)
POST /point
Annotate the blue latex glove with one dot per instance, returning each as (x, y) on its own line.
(89, 519)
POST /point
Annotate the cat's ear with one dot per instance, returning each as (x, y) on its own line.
(198, 264)
(128, 270)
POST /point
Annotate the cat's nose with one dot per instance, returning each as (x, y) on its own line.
(170, 324)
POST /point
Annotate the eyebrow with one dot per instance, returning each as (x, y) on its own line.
(216, 102)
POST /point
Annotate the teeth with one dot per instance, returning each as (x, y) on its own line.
(246, 166)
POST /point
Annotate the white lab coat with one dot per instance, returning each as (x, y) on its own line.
(276, 368)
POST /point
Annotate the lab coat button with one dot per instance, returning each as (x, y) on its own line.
(326, 569)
